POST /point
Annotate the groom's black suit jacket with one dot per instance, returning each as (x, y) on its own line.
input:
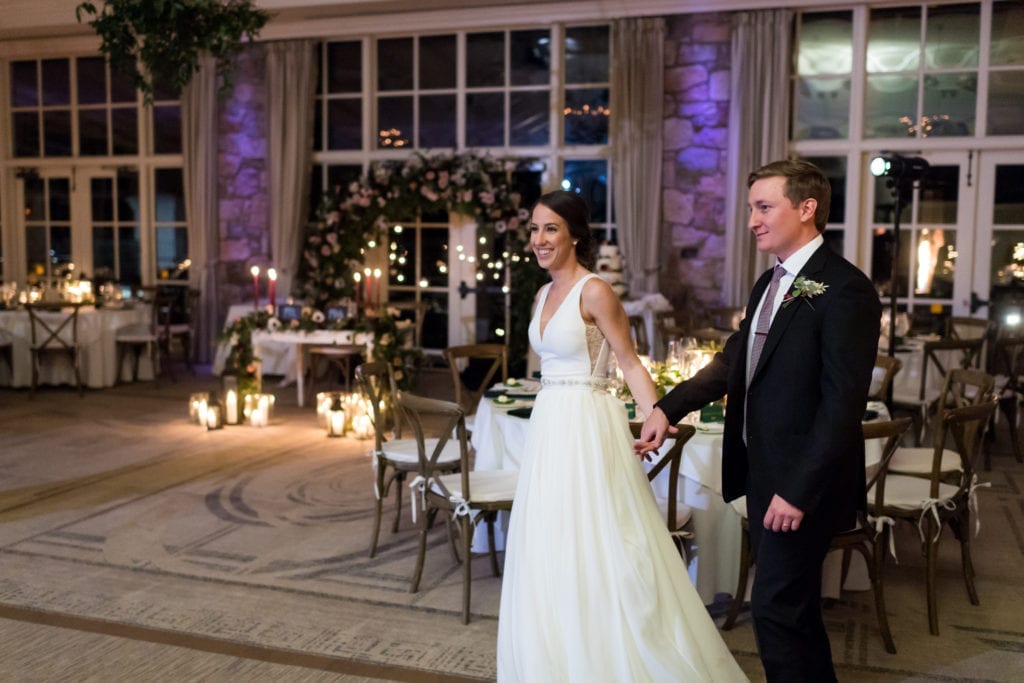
(806, 399)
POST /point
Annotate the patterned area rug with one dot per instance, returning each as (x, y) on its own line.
(113, 507)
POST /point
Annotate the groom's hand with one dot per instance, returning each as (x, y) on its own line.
(653, 433)
(782, 516)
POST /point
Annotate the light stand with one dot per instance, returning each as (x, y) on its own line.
(902, 172)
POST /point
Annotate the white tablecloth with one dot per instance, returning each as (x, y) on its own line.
(278, 357)
(262, 341)
(498, 440)
(97, 329)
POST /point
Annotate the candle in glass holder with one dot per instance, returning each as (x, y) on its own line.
(255, 270)
(213, 417)
(357, 277)
(335, 418)
(271, 285)
(197, 407)
(231, 407)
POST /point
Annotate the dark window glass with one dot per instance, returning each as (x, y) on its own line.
(26, 133)
(35, 249)
(126, 130)
(344, 67)
(586, 116)
(171, 247)
(435, 321)
(343, 175)
(122, 88)
(437, 121)
(402, 257)
(834, 169)
(939, 195)
(394, 64)
(437, 62)
(104, 263)
(586, 54)
(344, 124)
(318, 125)
(60, 199)
(316, 192)
(434, 268)
(167, 129)
(24, 86)
(60, 244)
(57, 133)
(485, 59)
(128, 247)
(485, 119)
(530, 57)
(35, 199)
(56, 81)
(1009, 195)
(164, 91)
(92, 83)
(530, 118)
(92, 132)
(589, 179)
(394, 120)
(128, 196)
(102, 190)
(170, 195)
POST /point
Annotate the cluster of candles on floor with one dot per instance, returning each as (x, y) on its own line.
(205, 410)
(340, 413)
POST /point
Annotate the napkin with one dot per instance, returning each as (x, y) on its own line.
(521, 412)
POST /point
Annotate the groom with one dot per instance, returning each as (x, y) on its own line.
(796, 375)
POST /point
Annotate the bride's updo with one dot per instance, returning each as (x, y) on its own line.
(573, 210)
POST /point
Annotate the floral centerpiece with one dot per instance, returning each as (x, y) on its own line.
(242, 362)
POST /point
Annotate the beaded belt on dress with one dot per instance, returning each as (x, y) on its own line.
(598, 383)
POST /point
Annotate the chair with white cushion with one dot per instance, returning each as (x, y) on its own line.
(961, 388)
(395, 458)
(54, 328)
(934, 502)
(464, 498)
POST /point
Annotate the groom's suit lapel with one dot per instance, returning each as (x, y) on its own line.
(786, 313)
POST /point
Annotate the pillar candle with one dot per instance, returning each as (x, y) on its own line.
(255, 270)
(357, 276)
(272, 277)
(376, 285)
(369, 286)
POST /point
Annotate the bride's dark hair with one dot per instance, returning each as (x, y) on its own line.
(573, 210)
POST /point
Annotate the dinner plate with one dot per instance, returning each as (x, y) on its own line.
(526, 386)
(514, 404)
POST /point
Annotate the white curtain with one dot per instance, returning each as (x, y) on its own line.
(758, 130)
(199, 149)
(637, 85)
(291, 88)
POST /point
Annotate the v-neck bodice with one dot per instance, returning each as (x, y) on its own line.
(569, 347)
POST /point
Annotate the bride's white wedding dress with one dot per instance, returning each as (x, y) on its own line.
(594, 589)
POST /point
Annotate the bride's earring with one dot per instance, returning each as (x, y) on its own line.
(575, 242)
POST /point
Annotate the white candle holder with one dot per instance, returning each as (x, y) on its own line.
(324, 401)
(197, 404)
(259, 409)
(213, 417)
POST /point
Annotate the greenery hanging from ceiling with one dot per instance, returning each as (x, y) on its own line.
(158, 42)
(393, 192)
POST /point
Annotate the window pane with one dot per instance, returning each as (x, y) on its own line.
(822, 108)
(402, 256)
(530, 58)
(128, 248)
(437, 62)
(316, 192)
(394, 121)
(102, 190)
(170, 196)
(1007, 256)
(57, 133)
(35, 199)
(940, 192)
(1009, 195)
(104, 264)
(437, 121)
(894, 39)
(435, 322)
(344, 67)
(935, 263)
(24, 87)
(1007, 33)
(394, 64)
(122, 89)
(949, 104)
(60, 245)
(586, 116)
(825, 44)
(881, 262)
(589, 179)
(128, 195)
(890, 106)
(56, 81)
(586, 54)
(26, 133)
(92, 132)
(951, 37)
(167, 129)
(530, 118)
(60, 199)
(318, 126)
(343, 175)
(1005, 90)
(834, 169)
(485, 59)
(171, 247)
(126, 131)
(485, 119)
(434, 268)
(35, 250)
(92, 80)
(344, 124)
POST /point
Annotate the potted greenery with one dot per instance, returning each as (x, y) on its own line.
(158, 42)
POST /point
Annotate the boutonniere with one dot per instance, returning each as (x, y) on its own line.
(803, 288)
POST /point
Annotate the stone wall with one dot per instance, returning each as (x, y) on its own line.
(697, 55)
(243, 179)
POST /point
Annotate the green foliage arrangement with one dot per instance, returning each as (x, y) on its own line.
(166, 37)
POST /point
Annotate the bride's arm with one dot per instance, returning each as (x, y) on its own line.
(602, 306)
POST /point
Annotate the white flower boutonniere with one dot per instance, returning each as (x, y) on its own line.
(803, 288)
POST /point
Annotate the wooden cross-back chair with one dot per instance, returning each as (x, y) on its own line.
(54, 331)
(464, 498)
(393, 458)
(886, 367)
(1008, 359)
(677, 515)
(456, 356)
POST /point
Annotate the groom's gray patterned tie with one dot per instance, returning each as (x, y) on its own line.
(764, 320)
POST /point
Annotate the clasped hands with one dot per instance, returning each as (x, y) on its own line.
(781, 515)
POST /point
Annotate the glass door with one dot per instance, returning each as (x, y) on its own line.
(998, 288)
(933, 277)
(47, 221)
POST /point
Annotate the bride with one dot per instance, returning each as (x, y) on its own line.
(594, 589)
